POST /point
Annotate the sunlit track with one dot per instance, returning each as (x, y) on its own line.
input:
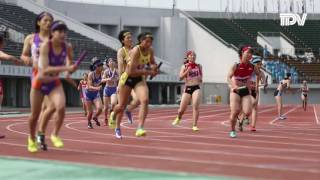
(282, 148)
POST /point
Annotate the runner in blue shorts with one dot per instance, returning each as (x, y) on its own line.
(92, 92)
(111, 77)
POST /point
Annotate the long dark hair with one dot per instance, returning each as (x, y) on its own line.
(122, 35)
(39, 17)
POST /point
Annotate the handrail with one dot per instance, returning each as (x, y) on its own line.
(285, 37)
(73, 24)
(264, 38)
(187, 15)
(12, 25)
(234, 47)
(280, 34)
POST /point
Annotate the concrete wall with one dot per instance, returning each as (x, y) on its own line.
(286, 47)
(173, 35)
(17, 90)
(278, 41)
(210, 90)
(173, 41)
(214, 56)
(291, 97)
(266, 97)
(103, 14)
(112, 19)
(116, 17)
(263, 42)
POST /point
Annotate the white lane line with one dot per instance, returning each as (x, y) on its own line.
(179, 159)
(180, 141)
(316, 115)
(265, 110)
(276, 119)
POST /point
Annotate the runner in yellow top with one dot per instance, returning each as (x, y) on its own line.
(125, 37)
(141, 64)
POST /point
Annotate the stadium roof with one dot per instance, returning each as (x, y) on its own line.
(245, 6)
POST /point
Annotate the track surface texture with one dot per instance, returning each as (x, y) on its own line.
(286, 149)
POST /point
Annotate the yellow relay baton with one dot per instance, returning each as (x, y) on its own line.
(123, 78)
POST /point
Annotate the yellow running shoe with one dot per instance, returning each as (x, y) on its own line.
(141, 132)
(32, 145)
(176, 121)
(112, 123)
(56, 141)
(195, 128)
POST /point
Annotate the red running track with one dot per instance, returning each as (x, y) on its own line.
(287, 149)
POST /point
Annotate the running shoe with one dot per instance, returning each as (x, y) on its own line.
(141, 132)
(32, 145)
(176, 121)
(56, 141)
(282, 118)
(195, 128)
(129, 115)
(233, 134)
(2, 136)
(41, 140)
(90, 125)
(96, 120)
(118, 133)
(112, 123)
(253, 129)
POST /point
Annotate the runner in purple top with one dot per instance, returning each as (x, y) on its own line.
(32, 44)
(55, 57)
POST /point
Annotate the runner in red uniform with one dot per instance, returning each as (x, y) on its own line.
(239, 83)
(191, 72)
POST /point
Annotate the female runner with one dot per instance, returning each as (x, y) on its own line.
(240, 93)
(111, 77)
(81, 88)
(192, 74)
(52, 61)
(134, 79)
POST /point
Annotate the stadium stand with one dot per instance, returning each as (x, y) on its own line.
(244, 31)
(25, 19)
